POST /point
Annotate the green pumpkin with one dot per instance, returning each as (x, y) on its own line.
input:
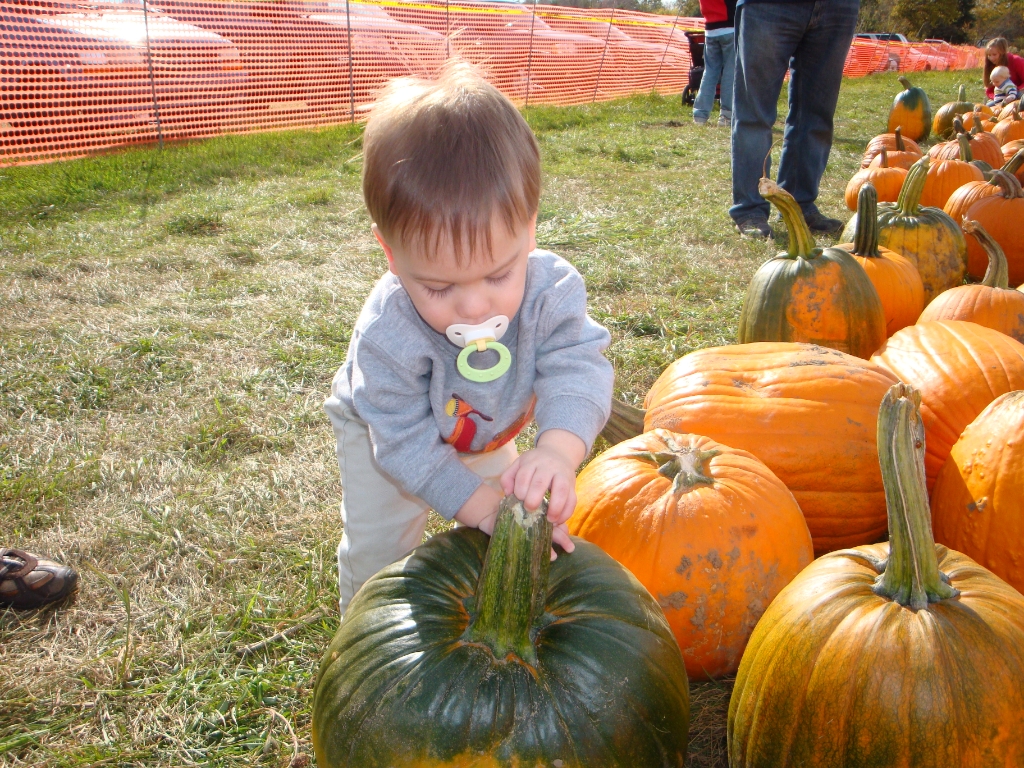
(927, 236)
(465, 654)
(942, 126)
(809, 294)
(911, 112)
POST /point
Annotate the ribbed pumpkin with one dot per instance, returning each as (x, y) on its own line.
(961, 200)
(1002, 216)
(895, 277)
(890, 142)
(983, 146)
(927, 236)
(1010, 150)
(481, 652)
(911, 112)
(942, 126)
(946, 176)
(709, 530)
(978, 118)
(991, 303)
(978, 499)
(886, 180)
(1010, 128)
(820, 296)
(1008, 109)
(805, 411)
(900, 654)
(960, 368)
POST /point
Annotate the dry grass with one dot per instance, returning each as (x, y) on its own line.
(171, 322)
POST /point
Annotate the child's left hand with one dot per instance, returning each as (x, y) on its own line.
(551, 466)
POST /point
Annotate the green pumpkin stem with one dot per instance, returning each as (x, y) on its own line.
(1014, 163)
(904, 82)
(682, 464)
(801, 241)
(965, 147)
(962, 94)
(911, 576)
(513, 584)
(997, 275)
(910, 193)
(865, 239)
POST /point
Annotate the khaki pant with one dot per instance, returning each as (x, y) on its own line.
(382, 523)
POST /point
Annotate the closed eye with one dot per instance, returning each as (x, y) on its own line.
(500, 279)
(437, 294)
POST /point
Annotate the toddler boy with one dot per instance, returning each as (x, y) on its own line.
(1005, 90)
(423, 418)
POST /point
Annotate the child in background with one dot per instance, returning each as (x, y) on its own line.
(997, 54)
(470, 335)
(1004, 90)
(719, 61)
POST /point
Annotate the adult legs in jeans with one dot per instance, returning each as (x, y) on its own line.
(718, 54)
(813, 38)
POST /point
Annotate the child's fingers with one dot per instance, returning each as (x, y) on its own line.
(523, 480)
(508, 477)
(562, 501)
(539, 485)
(560, 536)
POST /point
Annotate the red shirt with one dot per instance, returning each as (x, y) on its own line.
(1015, 64)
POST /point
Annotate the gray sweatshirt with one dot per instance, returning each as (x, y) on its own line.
(400, 378)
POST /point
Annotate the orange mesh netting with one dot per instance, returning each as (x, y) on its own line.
(78, 77)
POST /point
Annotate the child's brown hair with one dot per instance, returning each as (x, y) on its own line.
(442, 158)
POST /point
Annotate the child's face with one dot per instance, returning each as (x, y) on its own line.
(445, 293)
(998, 80)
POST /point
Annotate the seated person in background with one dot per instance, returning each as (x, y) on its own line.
(470, 334)
(1005, 90)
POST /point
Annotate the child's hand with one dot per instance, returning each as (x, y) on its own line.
(481, 509)
(551, 466)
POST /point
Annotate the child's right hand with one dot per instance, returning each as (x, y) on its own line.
(481, 511)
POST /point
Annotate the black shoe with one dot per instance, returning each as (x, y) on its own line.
(820, 224)
(30, 581)
(755, 228)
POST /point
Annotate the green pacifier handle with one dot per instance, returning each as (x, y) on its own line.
(483, 375)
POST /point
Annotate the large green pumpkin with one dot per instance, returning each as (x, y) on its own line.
(911, 112)
(465, 654)
(809, 294)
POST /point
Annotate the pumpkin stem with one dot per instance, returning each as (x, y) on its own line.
(900, 146)
(962, 93)
(1008, 185)
(904, 82)
(910, 193)
(626, 421)
(998, 273)
(681, 464)
(801, 241)
(958, 125)
(513, 584)
(865, 239)
(911, 576)
(965, 147)
(885, 158)
(1014, 163)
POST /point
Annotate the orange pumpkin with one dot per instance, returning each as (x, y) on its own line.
(960, 368)
(984, 147)
(891, 142)
(1010, 128)
(1010, 150)
(961, 200)
(895, 277)
(901, 654)
(1002, 216)
(1007, 109)
(991, 303)
(946, 176)
(711, 532)
(942, 126)
(978, 503)
(886, 180)
(979, 118)
(805, 411)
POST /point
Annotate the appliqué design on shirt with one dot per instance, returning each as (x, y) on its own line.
(462, 435)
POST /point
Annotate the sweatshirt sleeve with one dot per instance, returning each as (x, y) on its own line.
(574, 380)
(404, 435)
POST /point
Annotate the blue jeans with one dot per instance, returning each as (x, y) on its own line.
(719, 63)
(811, 40)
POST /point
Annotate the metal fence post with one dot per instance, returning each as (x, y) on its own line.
(529, 56)
(600, 68)
(351, 77)
(152, 77)
(665, 53)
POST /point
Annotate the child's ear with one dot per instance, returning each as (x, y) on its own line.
(533, 233)
(387, 248)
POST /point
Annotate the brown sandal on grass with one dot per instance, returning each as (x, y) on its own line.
(28, 581)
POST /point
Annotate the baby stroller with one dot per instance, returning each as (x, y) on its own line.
(695, 38)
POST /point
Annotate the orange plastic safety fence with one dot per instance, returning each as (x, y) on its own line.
(80, 76)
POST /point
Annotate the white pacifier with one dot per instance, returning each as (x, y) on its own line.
(477, 338)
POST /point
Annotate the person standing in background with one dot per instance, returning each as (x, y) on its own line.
(811, 41)
(719, 61)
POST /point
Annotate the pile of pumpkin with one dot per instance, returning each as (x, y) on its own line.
(872, 396)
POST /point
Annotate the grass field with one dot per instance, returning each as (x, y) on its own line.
(171, 323)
